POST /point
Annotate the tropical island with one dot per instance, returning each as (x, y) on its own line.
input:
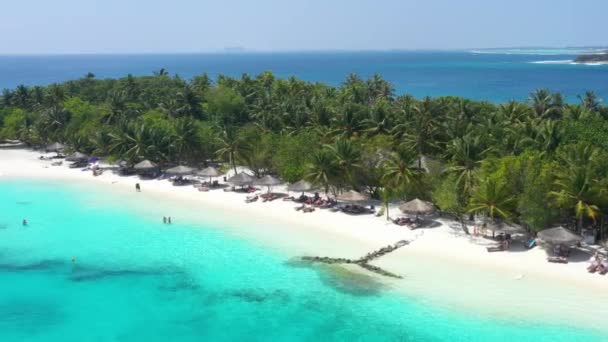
(592, 58)
(537, 164)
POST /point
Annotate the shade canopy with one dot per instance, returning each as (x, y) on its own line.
(55, 147)
(209, 172)
(268, 180)
(241, 179)
(559, 236)
(179, 170)
(145, 165)
(77, 156)
(503, 227)
(353, 196)
(416, 207)
(300, 186)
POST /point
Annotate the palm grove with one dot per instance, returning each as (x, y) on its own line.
(538, 163)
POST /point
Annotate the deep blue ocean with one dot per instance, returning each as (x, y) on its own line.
(497, 76)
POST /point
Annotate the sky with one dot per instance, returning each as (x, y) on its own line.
(171, 26)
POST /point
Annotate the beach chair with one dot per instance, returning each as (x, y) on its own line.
(558, 259)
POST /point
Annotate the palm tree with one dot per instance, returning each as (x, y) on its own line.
(491, 198)
(466, 154)
(398, 170)
(347, 157)
(322, 169)
(577, 190)
(590, 101)
(232, 147)
(421, 130)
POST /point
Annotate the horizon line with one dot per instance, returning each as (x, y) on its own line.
(239, 50)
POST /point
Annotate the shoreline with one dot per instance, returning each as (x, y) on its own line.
(442, 254)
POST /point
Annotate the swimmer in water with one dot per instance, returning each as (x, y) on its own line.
(24, 222)
(164, 219)
(169, 220)
(73, 259)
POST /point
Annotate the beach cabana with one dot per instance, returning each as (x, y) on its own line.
(241, 179)
(55, 147)
(503, 227)
(268, 181)
(353, 196)
(559, 236)
(146, 168)
(179, 170)
(77, 156)
(417, 207)
(300, 186)
(209, 172)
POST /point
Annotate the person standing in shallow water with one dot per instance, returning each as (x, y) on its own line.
(24, 222)
(137, 187)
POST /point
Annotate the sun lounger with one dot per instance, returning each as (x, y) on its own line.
(498, 248)
(308, 209)
(300, 207)
(558, 259)
(250, 199)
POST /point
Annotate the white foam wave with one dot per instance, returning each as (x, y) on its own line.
(562, 61)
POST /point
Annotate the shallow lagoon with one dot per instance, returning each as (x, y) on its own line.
(134, 278)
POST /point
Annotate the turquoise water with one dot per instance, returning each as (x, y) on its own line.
(135, 279)
(496, 75)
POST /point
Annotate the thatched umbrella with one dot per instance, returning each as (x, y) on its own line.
(502, 227)
(209, 172)
(145, 165)
(55, 147)
(179, 170)
(300, 186)
(77, 156)
(241, 179)
(417, 207)
(353, 196)
(559, 236)
(268, 181)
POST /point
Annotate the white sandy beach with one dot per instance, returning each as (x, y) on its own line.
(442, 263)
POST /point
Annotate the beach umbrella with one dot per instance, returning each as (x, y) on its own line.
(300, 186)
(353, 196)
(209, 172)
(417, 207)
(179, 170)
(268, 181)
(145, 165)
(55, 147)
(502, 227)
(559, 236)
(76, 156)
(241, 179)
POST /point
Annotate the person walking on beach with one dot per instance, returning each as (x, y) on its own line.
(169, 220)
(137, 187)
(165, 219)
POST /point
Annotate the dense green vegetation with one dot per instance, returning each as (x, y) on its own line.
(538, 163)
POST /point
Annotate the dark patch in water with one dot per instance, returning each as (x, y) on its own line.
(349, 282)
(3, 225)
(259, 296)
(26, 317)
(81, 273)
(180, 283)
(42, 265)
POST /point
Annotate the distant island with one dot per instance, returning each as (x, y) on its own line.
(593, 58)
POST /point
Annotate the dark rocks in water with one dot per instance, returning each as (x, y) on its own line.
(364, 261)
(259, 296)
(81, 273)
(32, 316)
(37, 266)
